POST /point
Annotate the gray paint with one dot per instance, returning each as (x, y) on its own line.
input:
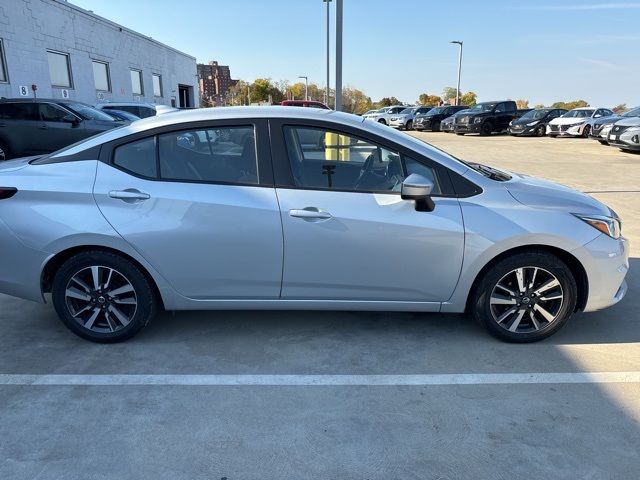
(28, 28)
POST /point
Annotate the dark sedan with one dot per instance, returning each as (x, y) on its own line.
(534, 122)
(433, 118)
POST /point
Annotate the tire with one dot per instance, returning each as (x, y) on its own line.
(382, 121)
(409, 125)
(486, 129)
(541, 130)
(5, 152)
(109, 316)
(586, 131)
(603, 142)
(490, 301)
(460, 133)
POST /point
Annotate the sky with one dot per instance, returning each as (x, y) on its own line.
(540, 50)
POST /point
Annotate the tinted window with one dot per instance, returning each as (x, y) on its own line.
(144, 112)
(137, 157)
(19, 111)
(326, 159)
(226, 155)
(87, 112)
(52, 113)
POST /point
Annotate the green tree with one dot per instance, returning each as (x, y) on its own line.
(540, 105)
(570, 105)
(620, 108)
(520, 103)
(355, 101)
(469, 99)
(387, 102)
(238, 94)
(429, 100)
(449, 93)
(263, 90)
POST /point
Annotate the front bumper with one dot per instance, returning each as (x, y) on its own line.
(565, 130)
(397, 123)
(521, 130)
(606, 262)
(446, 127)
(629, 140)
(467, 127)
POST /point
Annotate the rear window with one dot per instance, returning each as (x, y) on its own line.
(137, 157)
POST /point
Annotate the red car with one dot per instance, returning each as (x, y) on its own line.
(304, 103)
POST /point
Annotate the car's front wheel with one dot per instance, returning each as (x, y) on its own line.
(525, 297)
(409, 125)
(586, 131)
(541, 130)
(102, 297)
(5, 153)
(486, 129)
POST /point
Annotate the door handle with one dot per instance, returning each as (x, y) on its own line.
(129, 195)
(310, 214)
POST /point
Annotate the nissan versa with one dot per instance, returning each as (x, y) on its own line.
(282, 208)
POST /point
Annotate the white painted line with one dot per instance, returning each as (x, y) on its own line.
(322, 380)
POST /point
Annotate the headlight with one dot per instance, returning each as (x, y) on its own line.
(477, 120)
(608, 225)
(532, 123)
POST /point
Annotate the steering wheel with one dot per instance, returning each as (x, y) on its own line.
(367, 168)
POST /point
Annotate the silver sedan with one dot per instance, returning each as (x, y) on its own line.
(281, 208)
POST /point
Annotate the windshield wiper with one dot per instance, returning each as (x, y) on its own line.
(491, 173)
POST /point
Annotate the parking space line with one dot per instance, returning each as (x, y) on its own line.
(320, 380)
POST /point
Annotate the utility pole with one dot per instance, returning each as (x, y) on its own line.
(338, 105)
(328, 90)
(459, 43)
(306, 86)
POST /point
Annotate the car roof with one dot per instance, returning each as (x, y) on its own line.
(129, 104)
(43, 100)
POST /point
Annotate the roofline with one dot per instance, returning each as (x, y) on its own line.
(65, 3)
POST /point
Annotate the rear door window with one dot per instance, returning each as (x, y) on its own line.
(19, 111)
(137, 157)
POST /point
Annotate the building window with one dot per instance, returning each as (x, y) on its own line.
(136, 82)
(3, 64)
(59, 69)
(101, 76)
(157, 85)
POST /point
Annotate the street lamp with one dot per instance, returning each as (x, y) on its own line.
(459, 43)
(306, 86)
(327, 93)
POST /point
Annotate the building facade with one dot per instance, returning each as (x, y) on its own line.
(53, 49)
(215, 81)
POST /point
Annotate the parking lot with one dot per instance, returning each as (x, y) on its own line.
(246, 395)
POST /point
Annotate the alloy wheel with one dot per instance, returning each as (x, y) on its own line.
(101, 299)
(527, 299)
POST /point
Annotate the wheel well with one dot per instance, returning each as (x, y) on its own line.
(58, 259)
(577, 270)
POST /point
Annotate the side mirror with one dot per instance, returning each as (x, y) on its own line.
(418, 188)
(72, 119)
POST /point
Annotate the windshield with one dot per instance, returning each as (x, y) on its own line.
(578, 114)
(634, 112)
(87, 112)
(535, 114)
(482, 107)
(408, 111)
(436, 111)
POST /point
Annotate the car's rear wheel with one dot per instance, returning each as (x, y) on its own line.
(525, 297)
(486, 129)
(586, 130)
(383, 121)
(103, 297)
(5, 153)
(541, 130)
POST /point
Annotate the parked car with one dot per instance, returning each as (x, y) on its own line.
(576, 122)
(384, 114)
(121, 115)
(304, 103)
(369, 112)
(40, 125)
(486, 118)
(404, 119)
(139, 109)
(446, 125)
(534, 122)
(602, 126)
(373, 113)
(431, 119)
(625, 134)
(361, 217)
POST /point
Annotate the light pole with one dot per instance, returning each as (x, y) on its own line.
(338, 99)
(459, 43)
(306, 86)
(327, 93)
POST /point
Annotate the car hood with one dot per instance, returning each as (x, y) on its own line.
(629, 122)
(606, 120)
(524, 121)
(16, 163)
(568, 121)
(539, 193)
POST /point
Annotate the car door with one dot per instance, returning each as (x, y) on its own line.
(56, 131)
(348, 235)
(197, 202)
(19, 127)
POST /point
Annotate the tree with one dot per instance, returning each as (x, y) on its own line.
(620, 108)
(540, 105)
(387, 102)
(263, 90)
(570, 105)
(205, 102)
(449, 93)
(429, 100)
(469, 99)
(522, 103)
(355, 101)
(237, 94)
